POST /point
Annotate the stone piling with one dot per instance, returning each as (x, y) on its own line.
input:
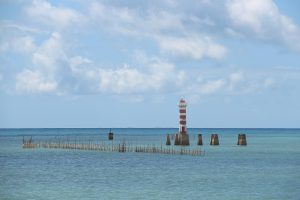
(214, 140)
(168, 142)
(200, 142)
(176, 139)
(184, 139)
(242, 140)
(110, 135)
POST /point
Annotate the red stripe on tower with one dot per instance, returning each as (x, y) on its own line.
(182, 111)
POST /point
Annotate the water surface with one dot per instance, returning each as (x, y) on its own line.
(268, 168)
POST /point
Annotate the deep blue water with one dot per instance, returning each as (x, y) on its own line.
(268, 168)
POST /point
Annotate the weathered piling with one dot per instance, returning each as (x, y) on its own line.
(199, 142)
(176, 140)
(110, 135)
(168, 142)
(242, 140)
(214, 139)
(184, 139)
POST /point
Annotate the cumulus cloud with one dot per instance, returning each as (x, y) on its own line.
(42, 10)
(47, 60)
(175, 30)
(34, 82)
(54, 71)
(262, 19)
(123, 80)
(50, 54)
(154, 75)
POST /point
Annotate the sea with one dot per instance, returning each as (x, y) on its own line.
(267, 168)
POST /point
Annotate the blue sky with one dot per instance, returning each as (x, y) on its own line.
(127, 63)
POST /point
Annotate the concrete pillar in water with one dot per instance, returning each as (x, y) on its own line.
(168, 142)
(176, 139)
(214, 139)
(110, 135)
(200, 142)
(242, 139)
(184, 139)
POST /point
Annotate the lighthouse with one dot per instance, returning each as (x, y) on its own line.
(183, 136)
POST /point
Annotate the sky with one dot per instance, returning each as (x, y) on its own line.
(96, 64)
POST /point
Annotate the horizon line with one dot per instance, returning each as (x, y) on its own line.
(148, 128)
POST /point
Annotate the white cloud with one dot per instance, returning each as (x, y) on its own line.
(176, 33)
(235, 79)
(262, 19)
(169, 30)
(50, 55)
(77, 61)
(23, 44)
(34, 82)
(42, 10)
(253, 14)
(255, 19)
(192, 47)
(16, 38)
(227, 82)
(154, 76)
(48, 60)
(211, 86)
(122, 80)
(134, 22)
(53, 71)
(10, 25)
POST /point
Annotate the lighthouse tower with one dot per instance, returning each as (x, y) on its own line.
(183, 136)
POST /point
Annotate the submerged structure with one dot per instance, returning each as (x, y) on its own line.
(183, 136)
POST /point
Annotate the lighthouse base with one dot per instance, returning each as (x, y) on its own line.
(184, 139)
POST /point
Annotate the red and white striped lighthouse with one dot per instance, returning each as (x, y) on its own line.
(182, 116)
(183, 136)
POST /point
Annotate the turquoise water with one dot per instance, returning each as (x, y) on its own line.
(268, 168)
